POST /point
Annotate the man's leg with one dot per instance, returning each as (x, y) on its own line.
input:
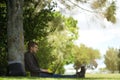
(44, 74)
(50, 75)
(69, 76)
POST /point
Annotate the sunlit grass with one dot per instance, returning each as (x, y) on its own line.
(88, 77)
(103, 76)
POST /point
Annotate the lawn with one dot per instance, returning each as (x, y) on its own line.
(102, 77)
(88, 77)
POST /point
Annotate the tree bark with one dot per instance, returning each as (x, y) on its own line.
(15, 32)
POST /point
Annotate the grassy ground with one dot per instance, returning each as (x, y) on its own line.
(103, 76)
(88, 77)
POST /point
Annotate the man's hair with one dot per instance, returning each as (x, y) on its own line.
(31, 44)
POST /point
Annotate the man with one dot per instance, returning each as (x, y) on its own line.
(31, 64)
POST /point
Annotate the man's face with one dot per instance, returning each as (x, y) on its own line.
(34, 49)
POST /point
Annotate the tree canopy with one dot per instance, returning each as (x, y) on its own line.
(86, 56)
(103, 8)
(111, 59)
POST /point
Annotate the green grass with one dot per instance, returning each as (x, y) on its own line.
(88, 77)
(102, 76)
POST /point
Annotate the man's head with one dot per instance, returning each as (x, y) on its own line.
(33, 47)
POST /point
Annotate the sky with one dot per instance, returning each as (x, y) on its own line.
(96, 36)
(95, 31)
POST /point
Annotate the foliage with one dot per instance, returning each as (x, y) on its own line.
(36, 23)
(3, 29)
(55, 32)
(110, 12)
(3, 37)
(45, 56)
(85, 55)
(32, 31)
(119, 61)
(98, 4)
(55, 48)
(106, 8)
(40, 25)
(111, 59)
(38, 5)
(102, 70)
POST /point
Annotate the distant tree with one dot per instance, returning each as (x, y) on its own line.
(111, 59)
(119, 60)
(102, 70)
(84, 55)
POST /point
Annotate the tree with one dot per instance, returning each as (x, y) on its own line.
(119, 60)
(37, 10)
(15, 29)
(111, 59)
(55, 48)
(85, 56)
(36, 30)
(15, 24)
(15, 37)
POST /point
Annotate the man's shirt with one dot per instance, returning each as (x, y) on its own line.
(31, 64)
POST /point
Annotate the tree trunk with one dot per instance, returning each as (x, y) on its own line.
(15, 32)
